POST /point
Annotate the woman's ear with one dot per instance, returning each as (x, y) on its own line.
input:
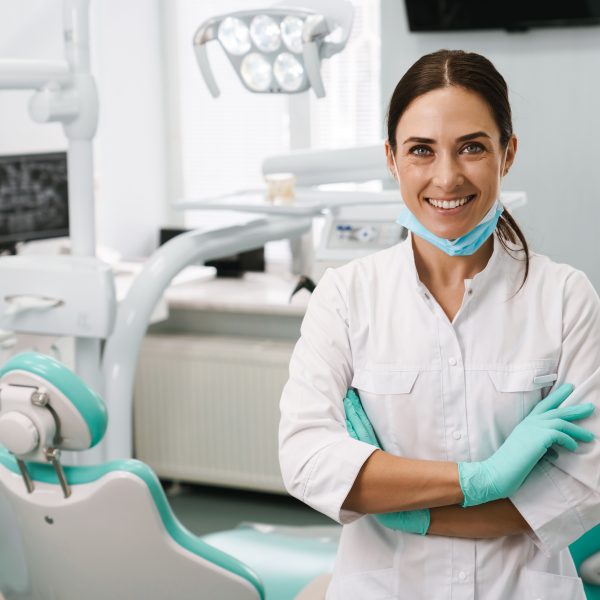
(389, 160)
(511, 151)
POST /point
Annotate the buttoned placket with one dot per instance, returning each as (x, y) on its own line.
(455, 423)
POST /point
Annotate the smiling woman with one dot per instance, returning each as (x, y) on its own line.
(426, 408)
(450, 143)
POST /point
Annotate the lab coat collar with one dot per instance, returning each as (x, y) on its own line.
(490, 271)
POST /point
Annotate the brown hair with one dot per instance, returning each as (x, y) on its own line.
(477, 74)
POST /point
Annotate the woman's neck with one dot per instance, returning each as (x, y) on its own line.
(437, 269)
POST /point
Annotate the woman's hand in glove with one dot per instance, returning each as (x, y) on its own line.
(359, 427)
(503, 473)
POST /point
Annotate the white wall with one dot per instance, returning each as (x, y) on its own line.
(131, 149)
(130, 146)
(554, 82)
(34, 32)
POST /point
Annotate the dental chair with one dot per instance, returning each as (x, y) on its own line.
(107, 531)
(586, 556)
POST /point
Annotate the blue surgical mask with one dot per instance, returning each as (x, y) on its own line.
(465, 245)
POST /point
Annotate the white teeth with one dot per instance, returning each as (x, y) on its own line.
(448, 203)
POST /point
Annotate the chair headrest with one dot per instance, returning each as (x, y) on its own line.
(44, 404)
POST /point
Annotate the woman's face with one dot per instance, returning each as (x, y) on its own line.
(450, 161)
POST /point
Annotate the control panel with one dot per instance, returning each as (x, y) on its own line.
(355, 231)
(363, 235)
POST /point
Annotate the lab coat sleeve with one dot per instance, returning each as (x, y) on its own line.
(560, 499)
(319, 460)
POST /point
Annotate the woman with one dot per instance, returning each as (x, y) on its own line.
(450, 340)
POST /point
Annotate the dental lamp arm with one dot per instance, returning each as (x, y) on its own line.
(207, 74)
(315, 47)
(315, 28)
(206, 33)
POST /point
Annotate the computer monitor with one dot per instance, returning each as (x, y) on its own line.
(512, 15)
(34, 198)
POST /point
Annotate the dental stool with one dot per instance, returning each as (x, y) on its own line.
(107, 531)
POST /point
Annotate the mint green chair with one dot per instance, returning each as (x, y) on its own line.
(107, 531)
(586, 556)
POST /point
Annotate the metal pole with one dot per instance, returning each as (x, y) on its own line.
(80, 132)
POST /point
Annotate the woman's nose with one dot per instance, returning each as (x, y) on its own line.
(447, 173)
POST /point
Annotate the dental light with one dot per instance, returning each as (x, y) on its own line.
(278, 49)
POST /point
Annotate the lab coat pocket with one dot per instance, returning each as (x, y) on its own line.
(374, 585)
(551, 586)
(524, 386)
(387, 397)
(385, 382)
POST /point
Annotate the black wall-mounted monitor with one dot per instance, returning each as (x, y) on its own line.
(34, 198)
(512, 15)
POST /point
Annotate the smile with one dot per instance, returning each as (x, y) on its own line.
(450, 204)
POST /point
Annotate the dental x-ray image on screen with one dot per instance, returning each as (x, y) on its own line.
(34, 201)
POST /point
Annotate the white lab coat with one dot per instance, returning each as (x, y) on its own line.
(438, 390)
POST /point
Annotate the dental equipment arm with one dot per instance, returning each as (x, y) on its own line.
(122, 348)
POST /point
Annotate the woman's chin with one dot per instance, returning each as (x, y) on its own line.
(447, 233)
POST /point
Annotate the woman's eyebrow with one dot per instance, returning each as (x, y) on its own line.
(462, 138)
(419, 140)
(472, 136)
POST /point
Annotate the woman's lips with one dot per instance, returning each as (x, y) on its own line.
(450, 211)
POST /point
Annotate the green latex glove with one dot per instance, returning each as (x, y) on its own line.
(503, 473)
(360, 428)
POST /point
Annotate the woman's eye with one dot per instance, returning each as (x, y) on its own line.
(473, 148)
(420, 151)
